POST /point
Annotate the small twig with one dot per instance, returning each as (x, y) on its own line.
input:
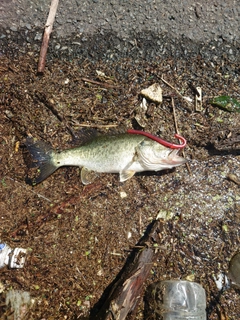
(27, 187)
(177, 131)
(140, 222)
(46, 35)
(82, 276)
(180, 95)
(103, 84)
(50, 105)
(96, 125)
(174, 116)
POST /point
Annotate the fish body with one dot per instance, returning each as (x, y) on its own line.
(122, 153)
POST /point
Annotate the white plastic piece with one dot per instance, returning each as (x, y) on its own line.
(20, 302)
(13, 258)
(222, 281)
(143, 105)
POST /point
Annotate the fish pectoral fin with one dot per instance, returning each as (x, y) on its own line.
(126, 174)
(88, 176)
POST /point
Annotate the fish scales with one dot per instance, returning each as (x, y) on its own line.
(104, 154)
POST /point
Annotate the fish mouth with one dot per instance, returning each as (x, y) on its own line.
(167, 159)
(175, 158)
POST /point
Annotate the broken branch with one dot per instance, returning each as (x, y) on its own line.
(46, 35)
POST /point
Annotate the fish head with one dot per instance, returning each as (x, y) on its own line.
(155, 157)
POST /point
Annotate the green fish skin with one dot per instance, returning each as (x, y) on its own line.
(122, 153)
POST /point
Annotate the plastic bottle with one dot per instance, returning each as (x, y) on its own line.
(13, 258)
(183, 300)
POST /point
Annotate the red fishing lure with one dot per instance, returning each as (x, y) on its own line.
(161, 141)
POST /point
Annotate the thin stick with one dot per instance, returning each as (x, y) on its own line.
(31, 190)
(140, 222)
(46, 35)
(167, 83)
(96, 125)
(174, 116)
(177, 131)
(103, 84)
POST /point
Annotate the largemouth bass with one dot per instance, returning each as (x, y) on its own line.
(121, 153)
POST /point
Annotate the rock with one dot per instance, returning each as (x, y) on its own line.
(153, 93)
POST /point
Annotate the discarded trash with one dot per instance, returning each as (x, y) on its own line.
(13, 258)
(226, 103)
(20, 302)
(198, 99)
(183, 300)
(222, 281)
(140, 116)
(225, 280)
(153, 93)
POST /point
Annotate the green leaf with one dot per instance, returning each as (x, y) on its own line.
(226, 103)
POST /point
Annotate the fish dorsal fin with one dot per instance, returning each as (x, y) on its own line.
(84, 136)
(126, 174)
(87, 176)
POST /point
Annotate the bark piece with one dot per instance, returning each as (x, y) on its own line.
(125, 292)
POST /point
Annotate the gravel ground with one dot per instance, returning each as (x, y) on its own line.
(218, 20)
(126, 28)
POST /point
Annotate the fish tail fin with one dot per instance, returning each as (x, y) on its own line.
(42, 159)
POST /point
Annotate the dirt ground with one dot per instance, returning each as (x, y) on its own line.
(79, 237)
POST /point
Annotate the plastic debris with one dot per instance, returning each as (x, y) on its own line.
(13, 258)
(183, 300)
(140, 116)
(19, 302)
(222, 281)
(198, 99)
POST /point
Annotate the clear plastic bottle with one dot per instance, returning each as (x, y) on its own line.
(183, 300)
(13, 258)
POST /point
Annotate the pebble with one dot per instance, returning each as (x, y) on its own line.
(13, 28)
(28, 26)
(57, 46)
(38, 36)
